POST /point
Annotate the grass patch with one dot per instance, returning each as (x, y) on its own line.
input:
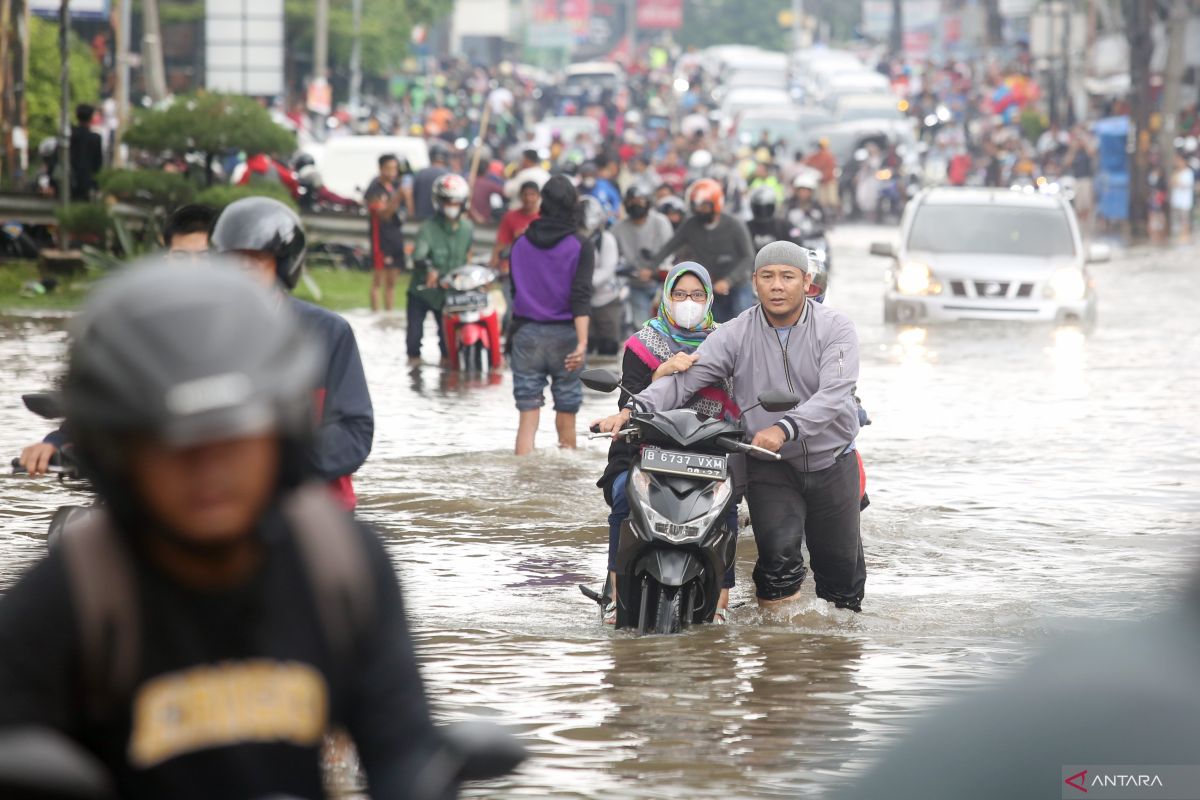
(340, 289)
(15, 274)
(344, 289)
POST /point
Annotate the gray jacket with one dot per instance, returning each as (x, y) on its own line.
(820, 364)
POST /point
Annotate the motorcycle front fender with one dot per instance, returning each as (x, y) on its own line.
(670, 567)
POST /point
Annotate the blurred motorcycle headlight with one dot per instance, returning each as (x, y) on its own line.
(1067, 284)
(916, 278)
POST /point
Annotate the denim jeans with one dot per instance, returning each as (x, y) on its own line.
(620, 512)
(539, 353)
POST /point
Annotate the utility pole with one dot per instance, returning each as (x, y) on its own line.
(152, 52)
(896, 41)
(1141, 49)
(1172, 79)
(121, 44)
(356, 57)
(797, 25)
(6, 116)
(64, 113)
(630, 33)
(321, 42)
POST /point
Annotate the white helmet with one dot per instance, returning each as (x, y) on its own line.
(805, 180)
(700, 160)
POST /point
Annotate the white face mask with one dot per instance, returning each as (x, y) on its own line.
(687, 313)
(451, 212)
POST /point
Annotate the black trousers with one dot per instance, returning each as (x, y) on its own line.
(416, 311)
(788, 506)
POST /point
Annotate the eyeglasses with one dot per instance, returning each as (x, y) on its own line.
(700, 296)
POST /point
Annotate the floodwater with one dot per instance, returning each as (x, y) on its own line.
(1025, 481)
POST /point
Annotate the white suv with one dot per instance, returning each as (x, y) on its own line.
(993, 254)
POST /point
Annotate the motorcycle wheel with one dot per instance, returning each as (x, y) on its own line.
(663, 609)
(471, 357)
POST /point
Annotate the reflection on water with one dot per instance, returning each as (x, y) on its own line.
(1021, 479)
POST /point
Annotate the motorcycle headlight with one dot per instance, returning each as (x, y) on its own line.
(679, 533)
(1067, 284)
(915, 278)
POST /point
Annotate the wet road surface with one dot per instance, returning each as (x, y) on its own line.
(1025, 480)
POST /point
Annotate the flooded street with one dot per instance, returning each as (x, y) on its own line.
(1024, 480)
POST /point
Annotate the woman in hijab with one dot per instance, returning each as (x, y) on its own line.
(664, 346)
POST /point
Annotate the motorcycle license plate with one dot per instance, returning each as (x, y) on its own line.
(466, 301)
(689, 465)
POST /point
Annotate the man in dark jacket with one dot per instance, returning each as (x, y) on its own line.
(719, 242)
(269, 236)
(87, 154)
(552, 296)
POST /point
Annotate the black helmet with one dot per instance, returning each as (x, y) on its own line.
(186, 357)
(762, 203)
(672, 205)
(263, 225)
(303, 160)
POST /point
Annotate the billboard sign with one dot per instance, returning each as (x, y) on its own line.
(244, 47)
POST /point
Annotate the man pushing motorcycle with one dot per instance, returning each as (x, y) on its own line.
(813, 493)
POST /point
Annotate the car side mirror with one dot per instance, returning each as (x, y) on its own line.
(1099, 253)
(777, 400)
(601, 380)
(884, 249)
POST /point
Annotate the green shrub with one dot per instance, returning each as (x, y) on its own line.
(84, 221)
(141, 186)
(220, 196)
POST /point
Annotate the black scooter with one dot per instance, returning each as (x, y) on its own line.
(674, 548)
(38, 763)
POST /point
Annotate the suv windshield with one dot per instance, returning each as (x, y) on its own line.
(986, 229)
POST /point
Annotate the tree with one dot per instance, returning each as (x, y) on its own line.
(385, 35)
(710, 22)
(211, 124)
(1141, 50)
(42, 94)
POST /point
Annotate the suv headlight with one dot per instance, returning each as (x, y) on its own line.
(915, 278)
(1067, 284)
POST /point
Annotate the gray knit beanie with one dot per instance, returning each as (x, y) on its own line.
(789, 254)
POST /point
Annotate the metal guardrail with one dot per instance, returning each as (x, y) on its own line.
(341, 228)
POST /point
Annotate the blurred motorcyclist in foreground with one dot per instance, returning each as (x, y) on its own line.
(206, 629)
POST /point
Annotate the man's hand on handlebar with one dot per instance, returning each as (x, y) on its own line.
(771, 438)
(612, 424)
(35, 459)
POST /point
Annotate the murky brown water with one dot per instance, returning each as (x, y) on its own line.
(1023, 480)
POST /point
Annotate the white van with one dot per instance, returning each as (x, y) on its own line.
(349, 163)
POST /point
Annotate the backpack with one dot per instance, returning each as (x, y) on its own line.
(103, 585)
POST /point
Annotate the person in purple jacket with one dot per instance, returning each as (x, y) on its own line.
(552, 296)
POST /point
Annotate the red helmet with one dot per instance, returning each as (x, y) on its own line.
(449, 189)
(706, 190)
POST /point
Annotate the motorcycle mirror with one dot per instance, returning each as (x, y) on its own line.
(36, 762)
(601, 380)
(47, 405)
(776, 400)
(486, 750)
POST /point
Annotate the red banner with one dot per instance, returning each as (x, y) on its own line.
(660, 14)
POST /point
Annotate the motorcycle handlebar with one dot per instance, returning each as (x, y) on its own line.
(742, 447)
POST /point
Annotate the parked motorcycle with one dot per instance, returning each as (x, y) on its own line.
(674, 547)
(471, 319)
